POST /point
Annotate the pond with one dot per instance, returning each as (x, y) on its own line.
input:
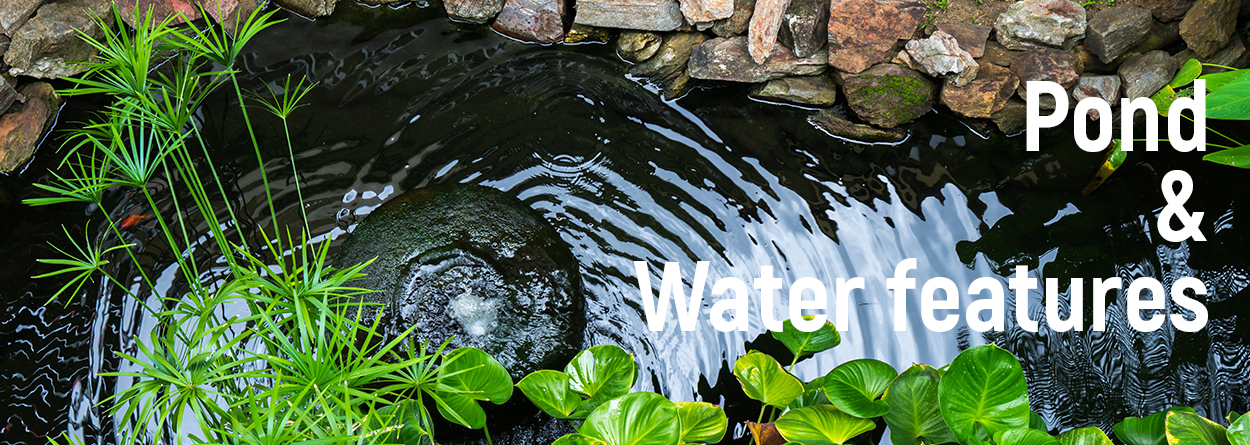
(407, 99)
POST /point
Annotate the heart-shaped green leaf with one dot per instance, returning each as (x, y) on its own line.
(413, 421)
(984, 387)
(1237, 157)
(1024, 436)
(1239, 431)
(640, 418)
(821, 425)
(550, 391)
(701, 422)
(914, 415)
(474, 374)
(1037, 422)
(460, 409)
(1184, 428)
(1215, 81)
(1232, 101)
(763, 379)
(806, 343)
(810, 397)
(1149, 430)
(601, 373)
(1188, 72)
(854, 387)
(1090, 435)
(577, 439)
(1232, 417)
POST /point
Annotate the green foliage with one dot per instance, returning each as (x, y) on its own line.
(914, 415)
(601, 373)
(856, 386)
(701, 422)
(1149, 430)
(1089, 435)
(984, 390)
(803, 344)
(1228, 98)
(640, 418)
(821, 425)
(1024, 436)
(1239, 429)
(763, 379)
(1186, 428)
(550, 391)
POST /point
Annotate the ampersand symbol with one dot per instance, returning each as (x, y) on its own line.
(1175, 208)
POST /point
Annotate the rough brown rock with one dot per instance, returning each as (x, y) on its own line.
(229, 13)
(737, 23)
(836, 124)
(807, 23)
(997, 54)
(322, 8)
(642, 15)
(1103, 87)
(985, 95)
(1036, 24)
(1144, 74)
(1012, 117)
(1051, 65)
(135, 11)
(637, 46)
(24, 125)
(765, 24)
(1208, 25)
(971, 37)
(1113, 31)
(1233, 55)
(8, 95)
(887, 95)
(1167, 10)
(14, 13)
(728, 59)
(535, 21)
(49, 46)
(699, 11)
(669, 68)
(812, 91)
(862, 32)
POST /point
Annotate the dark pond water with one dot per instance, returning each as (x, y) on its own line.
(407, 99)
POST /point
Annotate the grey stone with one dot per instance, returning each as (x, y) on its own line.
(941, 56)
(971, 37)
(1036, 24)
(813, 91)
(642, 15)
(14, 13)
(887, 95)
(1012, 117)
(1166, 10)
(8, 95)
(737, 23)
(49, 46)
(728, 59)
(1103, 87)
(472, 11)
(1115, 30)
(700, 11)
(808, 24)
(1051, 65)
(310, 8)
(637, 46)
(836, 124)
(669, 67)
(535, 21)
(1145, 74)
(1208, 25)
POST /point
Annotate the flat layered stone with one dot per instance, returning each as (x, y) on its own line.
(812, 91)
(1167, 10)
(1103, 87)
(25, 124)
(983, 96)
(1208, 25)
(737, 23)
(642, 15)
(534, 21)
(808, 24)
(1145, 74)
(49, 46)
(836, 124)
(317, 8)
(14, 13)
(637, 46)
(765, 24)
(888, 95)
(1036, 24)
(1050, 65)
(1012, 117)
(862, 32)
(728, 59)
(699, 11)
(997, 54)
(669, 68)
(941, 56)
(971, 37)
(8, 95)
(1113, 31)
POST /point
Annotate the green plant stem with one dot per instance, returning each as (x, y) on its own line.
(486, 431)
(247, 122)
(299, 193)
(1213, 131)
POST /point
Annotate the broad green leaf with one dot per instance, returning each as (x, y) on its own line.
(550, 391)
(1164, 98)
(914, 412)
(1216, 81)
(854, 387)
(474, 374)
(460, 409)
(601, 373)
(805, 343)
(577, 439)
(1149, 430)
(984, 387)
(821, 425)
(763, 379)
(1037, 422)
(1230, 102)
(810, 397)
(1188, 72)
(701, 422)
(1090, 435)
(1232, 417)
(1239, 431)
(413, 420)
(1024, 436)
(1236, 157)
(1191, 429)
(640, 418)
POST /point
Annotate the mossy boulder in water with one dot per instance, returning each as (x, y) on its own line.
(475, 263)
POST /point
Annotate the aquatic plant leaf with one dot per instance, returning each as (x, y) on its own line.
(601, 373)
(1149, 430)
(472, 373)
(810, 397)
(763, 379)
(914, 411)
(1236, 157)
(577, 439)
(1185, 428)
(701, 422)
(805, 343)
(765, 433)
(413, 419)
(984, 388)
(460, 409)
(640, 418)
(1037, 422)
(855, 386)
(1090, 435)
(550, 391)
(1232, 101)
(1215, 81)
(1024, 436)
(1232, 417)
(1239, 431)
(1186, 75)
(819, 425)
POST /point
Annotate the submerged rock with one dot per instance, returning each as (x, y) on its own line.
(738, 22)
(985, 95)
(888, 95)
(49, 46)
(1036, 24)
(475, 263)
(1113, 31)
(1146, 74)
(535, 21)
(1208, 25)
(669, 67)
(862, 32)
(24, 125)
(642, 15)
(814, 91)
(941, 56)
(636, 46)
(836, 124)
(728, 59)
